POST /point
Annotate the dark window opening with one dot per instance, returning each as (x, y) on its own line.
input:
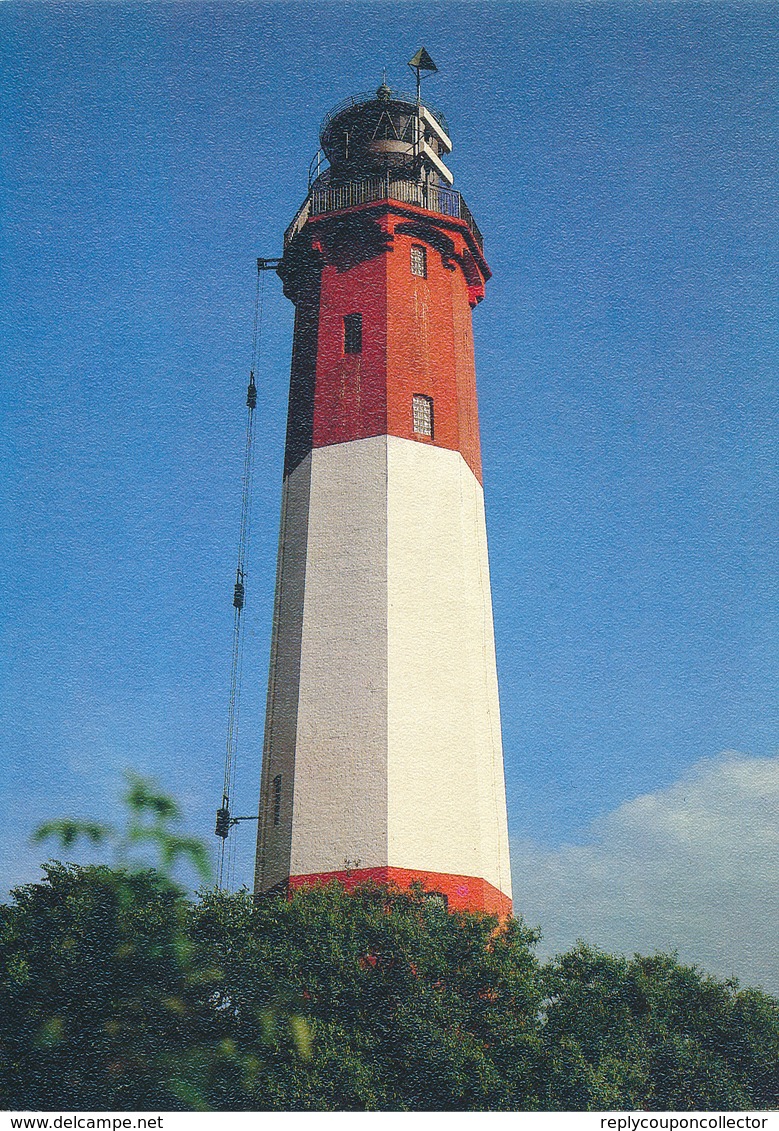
(353, 333)
(277, 799)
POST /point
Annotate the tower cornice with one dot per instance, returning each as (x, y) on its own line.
(451, 236)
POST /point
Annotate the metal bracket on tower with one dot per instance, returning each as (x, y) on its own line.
(224, 822)
(268, 264)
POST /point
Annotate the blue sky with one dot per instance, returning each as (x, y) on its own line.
(621, 161)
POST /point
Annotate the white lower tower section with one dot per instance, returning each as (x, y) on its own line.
(383, 742)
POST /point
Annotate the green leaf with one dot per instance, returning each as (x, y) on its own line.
(301, 1036)
(143, 797)
(68, 831)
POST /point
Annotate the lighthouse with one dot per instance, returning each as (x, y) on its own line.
(382, 757)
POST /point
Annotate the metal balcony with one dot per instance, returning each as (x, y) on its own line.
(332, 198)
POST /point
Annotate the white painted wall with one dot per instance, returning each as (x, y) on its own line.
(395, 724)
(340, 798)
(446, 792)
(274, 841)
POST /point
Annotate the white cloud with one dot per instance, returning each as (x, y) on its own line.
(693, 867)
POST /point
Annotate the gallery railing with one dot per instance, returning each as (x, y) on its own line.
(433, 198)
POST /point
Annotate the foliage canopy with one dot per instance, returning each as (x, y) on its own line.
(118, 993)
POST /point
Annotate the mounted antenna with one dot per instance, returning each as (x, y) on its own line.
(426, 155)
(224, 819)
(422, 62)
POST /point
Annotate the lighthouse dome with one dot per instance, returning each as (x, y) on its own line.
(369, 134)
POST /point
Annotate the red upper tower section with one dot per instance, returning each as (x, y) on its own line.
(384, 263)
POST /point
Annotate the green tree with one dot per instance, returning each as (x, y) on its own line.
(410, 1007)
(118, 992)
(93, 991)
(104, 1001)
(653, 1033)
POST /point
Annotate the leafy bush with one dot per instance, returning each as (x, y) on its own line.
(117, 992)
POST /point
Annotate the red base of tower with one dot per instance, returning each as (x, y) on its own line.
(463, 893)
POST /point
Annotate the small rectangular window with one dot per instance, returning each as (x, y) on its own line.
(353, 333)
(277, 799)
(422, 411)
(419, 260)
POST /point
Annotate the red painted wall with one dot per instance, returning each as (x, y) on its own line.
(416, 332)
(463, 893)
